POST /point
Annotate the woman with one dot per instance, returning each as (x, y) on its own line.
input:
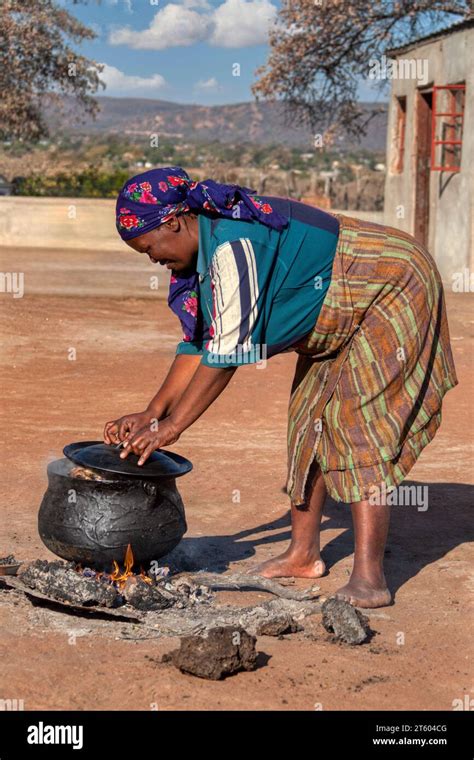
(360, 303)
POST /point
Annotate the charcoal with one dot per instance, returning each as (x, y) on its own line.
(278, 625)
(345, 622)
(60, 580)
(144, 596)
(88, 572)
(8, 560)
(224, 651)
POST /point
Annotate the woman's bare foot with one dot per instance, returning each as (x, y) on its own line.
(289, 565)
(361, 593)
(302, 559)
(367, 586)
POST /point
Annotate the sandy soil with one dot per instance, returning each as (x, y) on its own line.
(419, 658)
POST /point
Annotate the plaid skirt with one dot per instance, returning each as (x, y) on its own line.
(371, 376)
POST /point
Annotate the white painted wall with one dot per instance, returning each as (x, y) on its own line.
(450, 60)
(50, 223)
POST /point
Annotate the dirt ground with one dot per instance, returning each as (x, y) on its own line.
(419, 657)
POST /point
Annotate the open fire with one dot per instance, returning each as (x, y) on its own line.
(85, 587)
(120, 576)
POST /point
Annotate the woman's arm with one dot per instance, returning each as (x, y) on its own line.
(175, 383)
(204, 388)
(180, 373)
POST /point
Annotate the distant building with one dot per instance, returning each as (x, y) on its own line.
(5, 186)
(429, 187)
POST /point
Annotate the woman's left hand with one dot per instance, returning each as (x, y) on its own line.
(148, 439)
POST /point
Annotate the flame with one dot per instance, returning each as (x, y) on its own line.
(145, 577)
(118, 576)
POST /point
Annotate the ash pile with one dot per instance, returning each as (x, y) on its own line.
(86, 587)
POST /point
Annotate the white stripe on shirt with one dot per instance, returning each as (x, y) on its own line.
(228, 316)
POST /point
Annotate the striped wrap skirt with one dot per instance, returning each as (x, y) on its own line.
(370, 377)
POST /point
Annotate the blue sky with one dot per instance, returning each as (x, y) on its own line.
(182, 50)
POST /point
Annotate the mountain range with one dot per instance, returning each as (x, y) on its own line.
(256, 122)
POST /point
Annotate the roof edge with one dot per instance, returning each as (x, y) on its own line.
(459, 26)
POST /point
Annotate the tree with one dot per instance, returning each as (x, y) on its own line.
(36, 62)
(320, 49)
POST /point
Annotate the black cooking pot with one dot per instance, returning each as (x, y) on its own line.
(92, 521)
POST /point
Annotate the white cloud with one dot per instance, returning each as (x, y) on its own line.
(233, 24)
(239, 23)
(119, 82)
(172, 26)
(208, 85)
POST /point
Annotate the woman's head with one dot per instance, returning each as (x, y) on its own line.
(173, 244)
(156, 212)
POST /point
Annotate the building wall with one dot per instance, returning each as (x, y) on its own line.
(50, 223)
(59, 223)
(450, 61)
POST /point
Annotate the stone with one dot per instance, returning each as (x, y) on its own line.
(224, 651)
(345, 622)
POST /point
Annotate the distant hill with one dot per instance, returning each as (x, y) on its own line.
(260, 123)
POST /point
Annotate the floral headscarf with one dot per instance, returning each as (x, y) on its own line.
(152, 198)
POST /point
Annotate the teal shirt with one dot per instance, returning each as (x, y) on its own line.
(261, 291)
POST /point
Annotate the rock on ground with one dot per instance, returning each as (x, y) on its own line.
(345, 621)
(224, 651)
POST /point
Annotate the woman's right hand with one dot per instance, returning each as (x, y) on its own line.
(119, 430)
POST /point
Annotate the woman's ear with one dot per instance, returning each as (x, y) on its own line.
(173, 224)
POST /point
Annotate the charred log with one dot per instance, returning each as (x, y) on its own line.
(60, 580)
